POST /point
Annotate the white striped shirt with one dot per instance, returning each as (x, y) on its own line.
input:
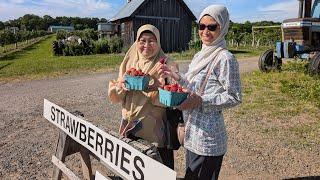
(205, 128)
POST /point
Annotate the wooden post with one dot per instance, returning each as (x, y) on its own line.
(61, 153)
(86, 164)
(253, 37)
(67, 146)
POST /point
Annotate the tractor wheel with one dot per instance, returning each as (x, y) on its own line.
(314, 66)
(268, 61)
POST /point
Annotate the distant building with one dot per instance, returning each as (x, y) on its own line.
(12, 29)
(173, 18)
(56, 28)
(107, 29)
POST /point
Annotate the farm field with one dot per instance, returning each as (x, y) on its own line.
(38, 62)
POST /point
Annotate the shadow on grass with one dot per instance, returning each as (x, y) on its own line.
(239, 52)
(8, 64)
(18, 54)
(305, 178)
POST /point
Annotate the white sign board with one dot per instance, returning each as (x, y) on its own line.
(296, 24)
(119, 156)
(99, 176)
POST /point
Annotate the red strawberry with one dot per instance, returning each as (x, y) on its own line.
(167, 87)
(174, 89)
(135, 73)
(162, 60)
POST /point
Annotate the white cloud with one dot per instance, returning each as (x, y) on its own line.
(279, 11)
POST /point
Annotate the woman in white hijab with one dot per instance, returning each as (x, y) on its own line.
(214, 80)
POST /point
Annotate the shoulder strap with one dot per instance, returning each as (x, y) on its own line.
(211, 65)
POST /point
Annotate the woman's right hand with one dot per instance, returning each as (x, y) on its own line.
(121, 83)
(164, 71)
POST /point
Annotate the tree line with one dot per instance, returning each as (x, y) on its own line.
(240, 34)
(31, 22)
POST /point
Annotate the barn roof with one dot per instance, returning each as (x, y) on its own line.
(130, 8)
(127, 10)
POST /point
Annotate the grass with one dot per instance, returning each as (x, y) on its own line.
(283, 105)
(9, 49)
(37, 62)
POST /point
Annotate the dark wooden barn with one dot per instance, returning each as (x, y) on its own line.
(173, 18)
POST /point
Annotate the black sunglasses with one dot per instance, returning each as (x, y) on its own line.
(211, 27)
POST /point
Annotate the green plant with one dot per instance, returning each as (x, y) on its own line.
(101, 46)
(115, 44)
(61, 34)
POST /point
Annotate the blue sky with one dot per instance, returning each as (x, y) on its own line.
(240, 10)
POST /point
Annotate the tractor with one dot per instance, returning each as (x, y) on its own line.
(300, 39)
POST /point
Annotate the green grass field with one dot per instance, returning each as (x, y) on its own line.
(284, 105)
(37, 62)
(11, 48)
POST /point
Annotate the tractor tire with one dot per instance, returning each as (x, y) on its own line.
(314, 66)
(268, 61)
(265, 60)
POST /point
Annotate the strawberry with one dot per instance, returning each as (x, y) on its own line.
(167, 87)
(136, 73)
(174, 89)
(162, 60)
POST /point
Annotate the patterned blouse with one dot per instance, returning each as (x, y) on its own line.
(205, 128)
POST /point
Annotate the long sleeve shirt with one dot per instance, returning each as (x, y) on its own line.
(205, 128)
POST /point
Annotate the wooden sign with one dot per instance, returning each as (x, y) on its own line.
(99, 176)
(120, 157)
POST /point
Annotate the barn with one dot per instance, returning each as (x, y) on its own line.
(173, 18)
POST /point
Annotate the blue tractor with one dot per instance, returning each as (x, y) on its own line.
(300, 39)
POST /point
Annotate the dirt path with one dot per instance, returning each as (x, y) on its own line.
(27, 140)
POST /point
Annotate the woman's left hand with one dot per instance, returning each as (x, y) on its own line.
(155, 85)
(192, 101)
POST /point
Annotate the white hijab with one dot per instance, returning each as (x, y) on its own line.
(208, 53)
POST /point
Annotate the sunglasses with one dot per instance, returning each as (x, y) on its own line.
(211, 27)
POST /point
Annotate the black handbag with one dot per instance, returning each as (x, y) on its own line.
(174, 117)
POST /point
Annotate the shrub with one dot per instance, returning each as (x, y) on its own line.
(196, 45)
(61, 34)
(115, 44)
(101, 46)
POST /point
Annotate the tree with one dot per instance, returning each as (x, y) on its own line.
(1, 25)
(47, 21)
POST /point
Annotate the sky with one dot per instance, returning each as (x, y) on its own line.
(240, 10)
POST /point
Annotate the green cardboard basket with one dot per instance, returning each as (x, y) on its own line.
(169, 98)
(136, 82)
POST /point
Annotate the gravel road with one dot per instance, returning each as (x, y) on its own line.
(27, 140)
